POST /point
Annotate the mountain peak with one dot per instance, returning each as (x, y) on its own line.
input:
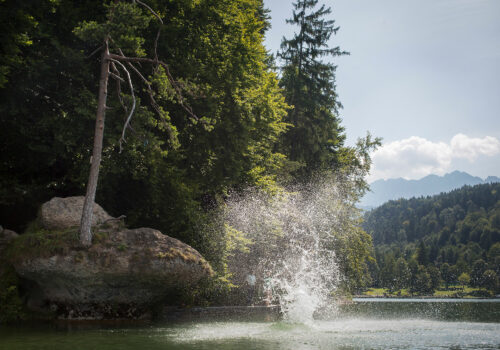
(385, 190)
(491, 179)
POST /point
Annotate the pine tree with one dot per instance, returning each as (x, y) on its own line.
(316, 137)
(423, 254)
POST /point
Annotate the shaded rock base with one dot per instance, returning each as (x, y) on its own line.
(222, 313)
(124, 274)
(88, 312)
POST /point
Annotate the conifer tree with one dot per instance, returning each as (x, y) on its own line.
(316, 137)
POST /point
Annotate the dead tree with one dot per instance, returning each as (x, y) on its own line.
(120, 64)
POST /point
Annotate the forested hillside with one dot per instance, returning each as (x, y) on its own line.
(382, 190)
(421, 241)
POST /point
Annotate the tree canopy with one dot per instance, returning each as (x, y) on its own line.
(213, 120)
(448, 235)
(308, 80)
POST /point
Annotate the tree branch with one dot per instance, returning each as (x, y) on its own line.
(153, 102)
(159, 29)
(152, 99)
(119, 87)
(151, 10)
(178, 90)
(95, 51)
(116, 77)
(127, 122)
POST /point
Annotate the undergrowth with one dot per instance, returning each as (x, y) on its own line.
(11, 303)
(39, 242)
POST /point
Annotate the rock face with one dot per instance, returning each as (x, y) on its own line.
(120, 275)
(6, 236)
(62, 213)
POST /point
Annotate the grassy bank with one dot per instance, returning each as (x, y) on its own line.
(451, 292)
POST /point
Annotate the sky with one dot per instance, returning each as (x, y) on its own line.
(422, 74)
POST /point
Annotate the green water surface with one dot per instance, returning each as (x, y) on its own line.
(365, 324)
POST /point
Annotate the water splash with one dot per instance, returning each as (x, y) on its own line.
(294, 237)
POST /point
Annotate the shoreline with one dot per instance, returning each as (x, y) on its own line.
(421, 297)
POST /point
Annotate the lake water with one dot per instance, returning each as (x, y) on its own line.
(365, 324)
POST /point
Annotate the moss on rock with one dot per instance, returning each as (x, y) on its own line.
(38, 242)
(138, 267)
(11, 303)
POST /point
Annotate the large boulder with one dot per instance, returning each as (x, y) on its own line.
(6, 236)
(62, 213)
(121, 275)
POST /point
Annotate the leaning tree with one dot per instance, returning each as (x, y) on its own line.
(121, 39)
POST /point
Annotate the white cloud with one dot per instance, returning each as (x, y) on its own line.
(470, 148)
(416, 157)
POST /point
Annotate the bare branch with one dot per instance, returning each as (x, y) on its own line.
(113, 66)
(156, 44)
(95, 51)
(116, 77)
(127, 122)
(119, 87)
(151, 10)
(178, 90)
(153, 102)
(159, 29)
(120, 218)
(152, 99)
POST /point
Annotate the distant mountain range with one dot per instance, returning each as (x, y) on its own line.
(385, 190)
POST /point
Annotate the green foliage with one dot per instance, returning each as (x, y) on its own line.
(353, 248)
(435, 276)
(451, 292)
(423, 254)
(455, 233)
(167, 159)
(125, 24)
(422, 282)
(175, 172)
(478, 269)
(46, 111)
(17, 24)
(209, 292)
(39, 242)
(449, 274)
(122, 247)
(355, 163)
(402, 274)
(454, 217)
(314, 144)
(316, 139)
(489, 280)
(11, 305)
(464, 279)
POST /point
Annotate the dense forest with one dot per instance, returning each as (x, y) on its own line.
(450, 239)
(219, 115)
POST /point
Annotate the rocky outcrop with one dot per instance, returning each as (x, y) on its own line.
(62, 213)
(6, 236)
(122, 275)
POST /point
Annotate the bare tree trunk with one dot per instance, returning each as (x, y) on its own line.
(88, 205)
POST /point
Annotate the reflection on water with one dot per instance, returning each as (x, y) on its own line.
(350, 334)
(481, 310)
(362, 325)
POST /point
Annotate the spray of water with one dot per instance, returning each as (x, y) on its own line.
(293, 250)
